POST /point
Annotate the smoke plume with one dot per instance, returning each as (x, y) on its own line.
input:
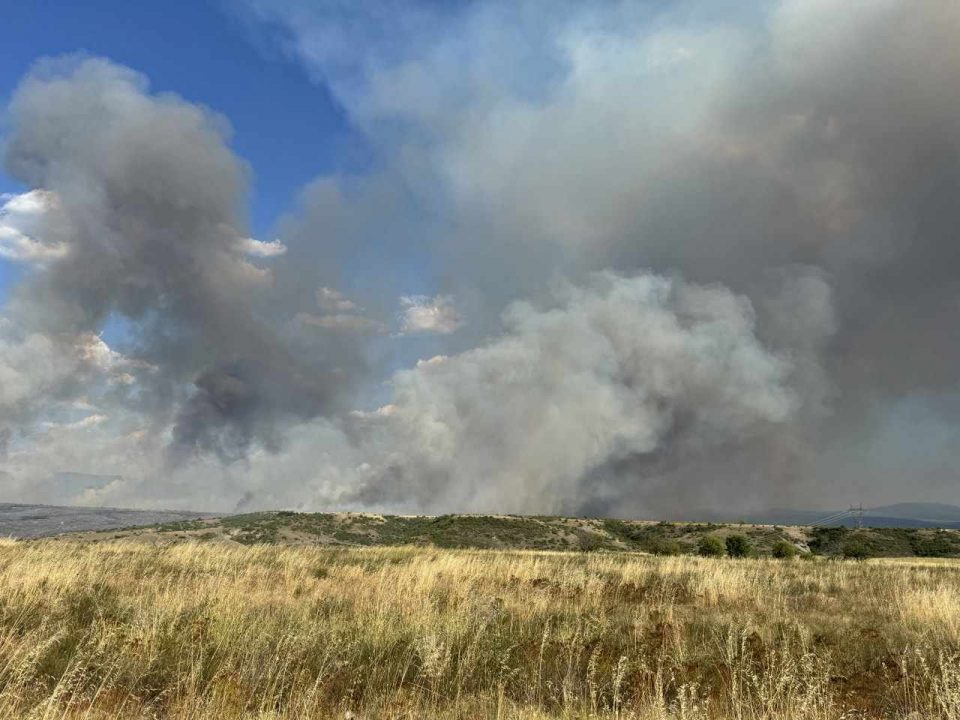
(690, 254)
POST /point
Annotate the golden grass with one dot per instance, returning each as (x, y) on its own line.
(190, 631)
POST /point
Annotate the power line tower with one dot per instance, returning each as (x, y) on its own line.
(857, 512)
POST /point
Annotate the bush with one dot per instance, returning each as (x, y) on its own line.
(588, 542)
(828, 540)
(738, 546)
(936, 546)
(784, 550)
(661, 546)
(710, 546)
(855, 550)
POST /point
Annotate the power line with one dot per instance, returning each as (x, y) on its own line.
(831, 518)
(857, 512)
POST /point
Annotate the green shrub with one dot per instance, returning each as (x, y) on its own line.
(784, 550)
(828, 540)
(938, 545)
(855, 550)
(588, 542)
(662, 546)
(710, 546)
(738, 546)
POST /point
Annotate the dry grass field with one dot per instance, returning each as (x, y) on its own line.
(127, 630)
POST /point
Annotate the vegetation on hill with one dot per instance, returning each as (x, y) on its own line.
(885, 542)
(553, 533)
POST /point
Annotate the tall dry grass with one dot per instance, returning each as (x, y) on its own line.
(123, 630)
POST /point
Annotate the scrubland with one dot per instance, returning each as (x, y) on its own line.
(518, 532)
(129, 630)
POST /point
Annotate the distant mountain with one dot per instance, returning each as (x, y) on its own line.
(29, 521)
(881, 521)
(927, 512)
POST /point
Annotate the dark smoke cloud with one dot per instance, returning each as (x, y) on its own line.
(622, 368)
(801, 153)
(691, 254)
(149, 203)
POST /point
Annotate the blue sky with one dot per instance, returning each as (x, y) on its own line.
(286, 126)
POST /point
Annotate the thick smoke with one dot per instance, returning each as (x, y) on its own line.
(801, 153)
(147, 200)
(665, 256)
(615, 370)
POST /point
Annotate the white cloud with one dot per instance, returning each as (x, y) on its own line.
(340, 314)
(32, 203)
(435, 360)
(92, 348)
(262, 249)
(383, 411)
(21, 217)
(331, 300)
(428, 315)
(115, 366)
(87, 422)
(343, 322)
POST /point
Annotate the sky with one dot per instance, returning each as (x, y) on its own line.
(206, 54)
(610, 258)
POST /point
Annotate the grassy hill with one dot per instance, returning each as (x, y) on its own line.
(538, 533)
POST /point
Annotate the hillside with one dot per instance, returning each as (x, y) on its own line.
(536, 533)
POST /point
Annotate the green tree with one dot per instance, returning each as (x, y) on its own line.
(784, 550)
(587, 541)
(710, 546)
(662, 546)
(738, 546)
(855, 550)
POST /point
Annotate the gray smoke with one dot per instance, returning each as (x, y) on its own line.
(149, 203)
(692, 254)
(615, 370)
(802, 154)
